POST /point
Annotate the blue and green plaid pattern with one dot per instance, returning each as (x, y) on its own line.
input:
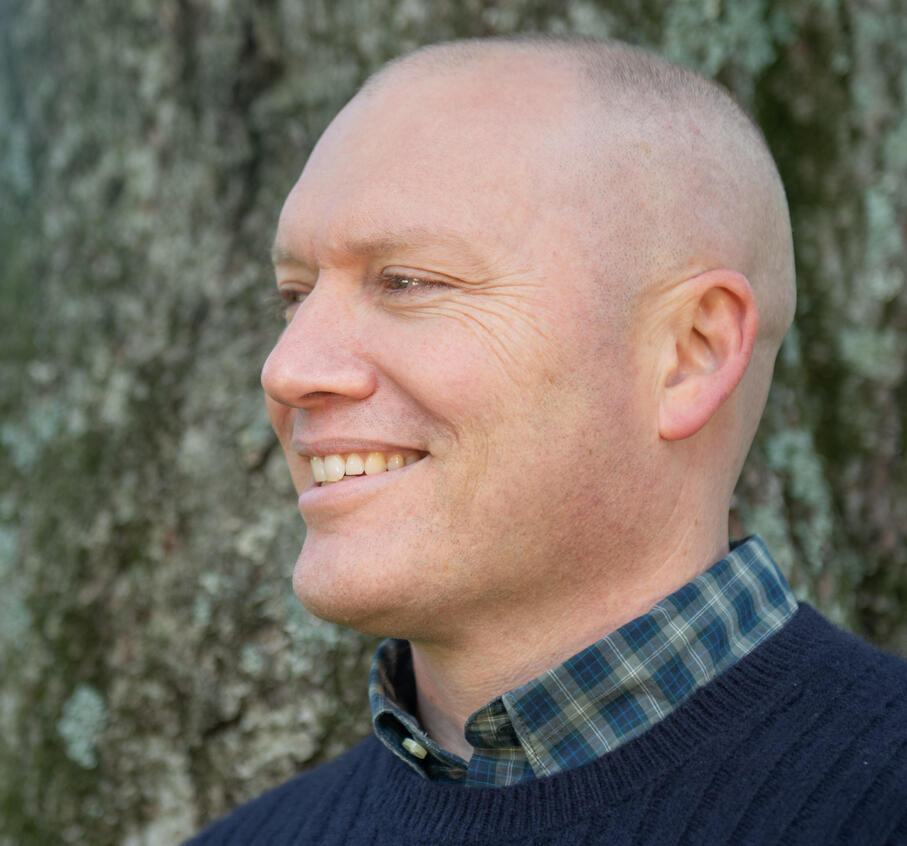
(605, 695)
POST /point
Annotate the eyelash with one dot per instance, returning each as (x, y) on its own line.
(279, 302)
(419, 282)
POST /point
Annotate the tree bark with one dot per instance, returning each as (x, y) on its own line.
(156, 668)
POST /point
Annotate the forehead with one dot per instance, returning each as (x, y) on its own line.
(479, 149)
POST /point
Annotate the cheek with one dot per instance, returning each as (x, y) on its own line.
(467, 365)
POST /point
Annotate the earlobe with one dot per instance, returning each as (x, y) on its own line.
(715, 321)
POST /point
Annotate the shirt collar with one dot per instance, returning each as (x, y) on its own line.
(603, 696)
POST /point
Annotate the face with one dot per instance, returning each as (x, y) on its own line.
(442, 306)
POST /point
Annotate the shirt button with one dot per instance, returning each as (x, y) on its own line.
(414, 748)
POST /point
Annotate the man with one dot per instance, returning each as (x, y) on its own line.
(534, 292)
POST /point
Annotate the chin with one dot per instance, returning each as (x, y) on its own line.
(350, 596)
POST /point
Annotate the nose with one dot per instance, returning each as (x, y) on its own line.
(318, 356)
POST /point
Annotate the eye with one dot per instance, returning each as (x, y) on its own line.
(397, 283)
(283, 302)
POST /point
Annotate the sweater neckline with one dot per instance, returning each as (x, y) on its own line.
(746, 692)
(604, 695)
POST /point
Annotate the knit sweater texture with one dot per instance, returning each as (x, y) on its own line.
(804, 741)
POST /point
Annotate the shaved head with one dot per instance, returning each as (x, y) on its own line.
(556, 274)
(698, 181)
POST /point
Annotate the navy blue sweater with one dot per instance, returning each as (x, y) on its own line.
(802, 742)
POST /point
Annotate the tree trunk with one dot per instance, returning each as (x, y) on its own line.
(156, 667)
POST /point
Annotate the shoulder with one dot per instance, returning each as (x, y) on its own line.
(841, 657)
(804, 740)
(844, 749)
(279, 815)
(831, 670)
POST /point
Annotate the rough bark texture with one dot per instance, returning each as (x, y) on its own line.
(155, 667)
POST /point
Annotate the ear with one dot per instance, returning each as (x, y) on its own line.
(714, 320)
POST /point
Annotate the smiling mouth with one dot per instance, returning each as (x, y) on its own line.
(329, 469)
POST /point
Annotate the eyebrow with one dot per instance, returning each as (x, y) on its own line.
(283, 255)
(381, 243)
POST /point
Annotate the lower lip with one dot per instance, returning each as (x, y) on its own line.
(350, 492)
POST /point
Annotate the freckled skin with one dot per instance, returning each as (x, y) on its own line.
(491, 374)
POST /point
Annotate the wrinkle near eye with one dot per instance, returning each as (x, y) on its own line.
(506, 322)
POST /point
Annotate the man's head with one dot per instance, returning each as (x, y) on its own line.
(558, 274)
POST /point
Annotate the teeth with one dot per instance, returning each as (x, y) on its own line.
(375, 464)
(354, 465)
(332, 468)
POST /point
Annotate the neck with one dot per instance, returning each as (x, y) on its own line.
(457, 676)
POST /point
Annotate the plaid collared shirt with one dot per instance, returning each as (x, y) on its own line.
(603, 696)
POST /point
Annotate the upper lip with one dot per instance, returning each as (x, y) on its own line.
(345, 446)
